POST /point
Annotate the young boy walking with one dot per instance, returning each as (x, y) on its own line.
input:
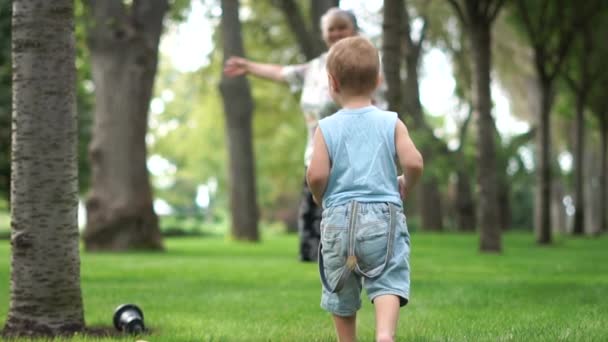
(364, 238)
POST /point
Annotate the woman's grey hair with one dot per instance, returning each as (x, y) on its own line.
(340, 13)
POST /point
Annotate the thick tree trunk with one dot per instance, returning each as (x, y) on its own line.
(45, 295)
(238, 106)
(579, 190)
(124, 56)
(490, 234)
(542, 215)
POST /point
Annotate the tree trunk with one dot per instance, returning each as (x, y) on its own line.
(238, 106)
(549, 55)
(542, 215)
(465, 205)
(504, 202)
(310, 44)
(310, 41)
(124, 55)
(560, 221)
(430, 204)
(591, 182)
(45, 295)
(490, 234)
(502, 184)
(429, 196)
(392, 52)
(579, 195)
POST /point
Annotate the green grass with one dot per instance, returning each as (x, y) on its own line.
(212, 289)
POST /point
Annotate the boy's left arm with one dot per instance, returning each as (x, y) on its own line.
(317, 174)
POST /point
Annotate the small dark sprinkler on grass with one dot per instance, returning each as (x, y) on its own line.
(129, 318)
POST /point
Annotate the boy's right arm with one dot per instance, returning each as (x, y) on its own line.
(410, 159)
(238, 66)
(317, 174)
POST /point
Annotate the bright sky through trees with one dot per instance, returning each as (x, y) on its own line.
(189, 43)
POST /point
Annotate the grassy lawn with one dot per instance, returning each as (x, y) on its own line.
(211, 289)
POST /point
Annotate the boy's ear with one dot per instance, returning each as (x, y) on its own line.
(333, 83)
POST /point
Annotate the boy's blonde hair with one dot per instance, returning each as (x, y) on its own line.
(355, 64)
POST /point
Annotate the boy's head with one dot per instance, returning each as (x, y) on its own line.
(353, 66)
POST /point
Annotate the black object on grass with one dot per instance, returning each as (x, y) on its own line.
(129, 318)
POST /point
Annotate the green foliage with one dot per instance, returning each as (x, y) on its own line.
(590, 55)
(84, 97)
(178, 10)
(215, 289)
(5, 219)
(190, 132)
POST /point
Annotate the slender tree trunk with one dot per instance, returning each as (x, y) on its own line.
(310, 44)
(464, 201)
(310, 40)
(542, 216)
(502, 186)
(490, 235)
(411, 92)
(465, 205)
(45, 295)
(238, 106)
(392, 52)
(430, 201)
(579, 195)
(124, 56)
(549, 54)
(395, 25)
(429, 197)
(504, 203)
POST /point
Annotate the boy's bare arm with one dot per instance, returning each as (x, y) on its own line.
(317, 174)
(410, 159)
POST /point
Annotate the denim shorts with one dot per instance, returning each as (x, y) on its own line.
(371, 237)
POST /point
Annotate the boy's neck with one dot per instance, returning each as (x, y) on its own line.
(355, 102)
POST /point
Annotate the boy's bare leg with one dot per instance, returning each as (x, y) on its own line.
(387, 314)
(346, 328)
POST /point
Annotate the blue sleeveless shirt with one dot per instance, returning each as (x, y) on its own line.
(361, 146)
